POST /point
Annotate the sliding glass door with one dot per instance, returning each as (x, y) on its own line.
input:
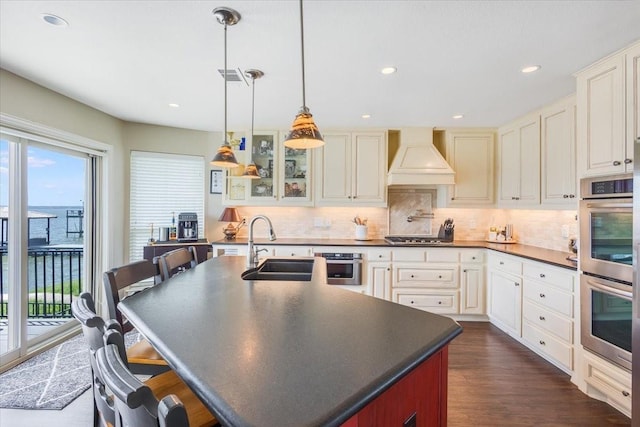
(47, 206)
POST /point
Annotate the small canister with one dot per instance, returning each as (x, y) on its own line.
(163, 234)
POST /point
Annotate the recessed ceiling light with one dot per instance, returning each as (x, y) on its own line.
(172, 105)
(458, 116)
(366, 116)
(54, 20)
(388, 70)
(530, 69)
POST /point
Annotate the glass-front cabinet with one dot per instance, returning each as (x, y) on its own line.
(284, 173)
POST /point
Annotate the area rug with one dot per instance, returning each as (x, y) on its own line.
(52, 379)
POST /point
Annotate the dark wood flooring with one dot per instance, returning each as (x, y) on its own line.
(496, 381)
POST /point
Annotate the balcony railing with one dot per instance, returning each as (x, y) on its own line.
(54, 276)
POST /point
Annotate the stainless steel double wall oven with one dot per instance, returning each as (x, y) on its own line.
(606, 264)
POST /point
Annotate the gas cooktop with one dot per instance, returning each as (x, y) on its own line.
(416, 240)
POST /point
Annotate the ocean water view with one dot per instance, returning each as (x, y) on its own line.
(60, 261)
(58, 225)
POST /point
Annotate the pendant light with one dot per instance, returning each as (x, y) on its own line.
(251, 171)
(225, 158)
(304, 133)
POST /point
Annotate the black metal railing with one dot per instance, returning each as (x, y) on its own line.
(54, 278)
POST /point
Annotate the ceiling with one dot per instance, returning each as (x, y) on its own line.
(131, 59)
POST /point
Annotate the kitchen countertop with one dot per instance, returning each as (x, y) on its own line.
(549, 256)
(282, 353)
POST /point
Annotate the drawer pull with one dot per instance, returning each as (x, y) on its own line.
(439, 302)
(380, 256)
(388, 269)
(516, 283)
(542, 318)
(542, 295)
(542, 342)
(439, 277)
(411, 301)
(542, 275)
(616, 163)
(473, 257)
(412, 276)
(625, 393)
(501, 262)
(465, 270)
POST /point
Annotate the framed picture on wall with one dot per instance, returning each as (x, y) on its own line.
(215, 186)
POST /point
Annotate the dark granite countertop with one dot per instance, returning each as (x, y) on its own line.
(549, 256)
(282, 353)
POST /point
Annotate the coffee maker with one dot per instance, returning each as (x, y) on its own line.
(187, 227)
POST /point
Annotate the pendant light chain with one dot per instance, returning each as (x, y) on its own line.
(304, 102)
(225, 84)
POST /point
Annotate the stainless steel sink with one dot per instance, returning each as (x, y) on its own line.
(282, 269)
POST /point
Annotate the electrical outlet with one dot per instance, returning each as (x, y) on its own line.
(565, 231)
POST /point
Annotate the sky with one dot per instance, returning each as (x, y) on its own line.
(54, 178)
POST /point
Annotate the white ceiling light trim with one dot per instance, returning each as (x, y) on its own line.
(54, 20)
(388, 70)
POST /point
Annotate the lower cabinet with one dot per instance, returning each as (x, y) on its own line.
(472, 289)
(505, 302)
(608, 383)
(379, 278)
(418, 399)
(534, 303)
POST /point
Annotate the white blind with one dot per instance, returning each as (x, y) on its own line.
(160, 185)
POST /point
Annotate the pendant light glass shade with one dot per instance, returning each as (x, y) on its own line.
(225, 158)
(251, 171)
(304, 133)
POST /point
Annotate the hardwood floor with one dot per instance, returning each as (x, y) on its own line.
(496, 381)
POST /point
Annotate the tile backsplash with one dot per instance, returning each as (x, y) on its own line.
(541, 228)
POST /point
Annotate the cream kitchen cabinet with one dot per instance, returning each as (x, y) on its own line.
(558, 146)
(427, 279)
(505, 293)
(472, 283)
(471, 155)
(607, 97)
(608, 382)
(548, 312)
(519, 162)
(351, 169)
(379, 272)
(284, 174)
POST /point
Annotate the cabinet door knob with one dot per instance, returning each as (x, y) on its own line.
(516, 283)
(473, 257)
(565, 196)
(380, 256)
(572, 196)
(464, 271)
(542, 275)
(542, 318)
(412, 276)
(411, 301)
(616, 163)
(625, 393)
(501, 262)
(542, 342)
(388, 269)
(439, 277)
(542, 295)
(627, 161)
(439, 302)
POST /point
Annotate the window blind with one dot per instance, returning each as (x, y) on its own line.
(161, 185)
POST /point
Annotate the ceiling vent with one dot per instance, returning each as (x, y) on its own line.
(233, 75)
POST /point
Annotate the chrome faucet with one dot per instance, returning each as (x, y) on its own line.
(252, 254)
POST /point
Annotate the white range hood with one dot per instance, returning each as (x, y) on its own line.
(418, 162)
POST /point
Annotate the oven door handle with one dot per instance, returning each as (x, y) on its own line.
(340, 261)
(600, 205)
(594, 283)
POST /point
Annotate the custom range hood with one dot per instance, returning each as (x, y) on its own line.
(417, 161)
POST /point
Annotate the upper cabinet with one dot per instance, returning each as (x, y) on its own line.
(351, 169)
(284, 174)
(607, 96)
(519, 162)
(470, 153)
(558, 145)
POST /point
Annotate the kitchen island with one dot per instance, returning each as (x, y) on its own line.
(267, 353)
